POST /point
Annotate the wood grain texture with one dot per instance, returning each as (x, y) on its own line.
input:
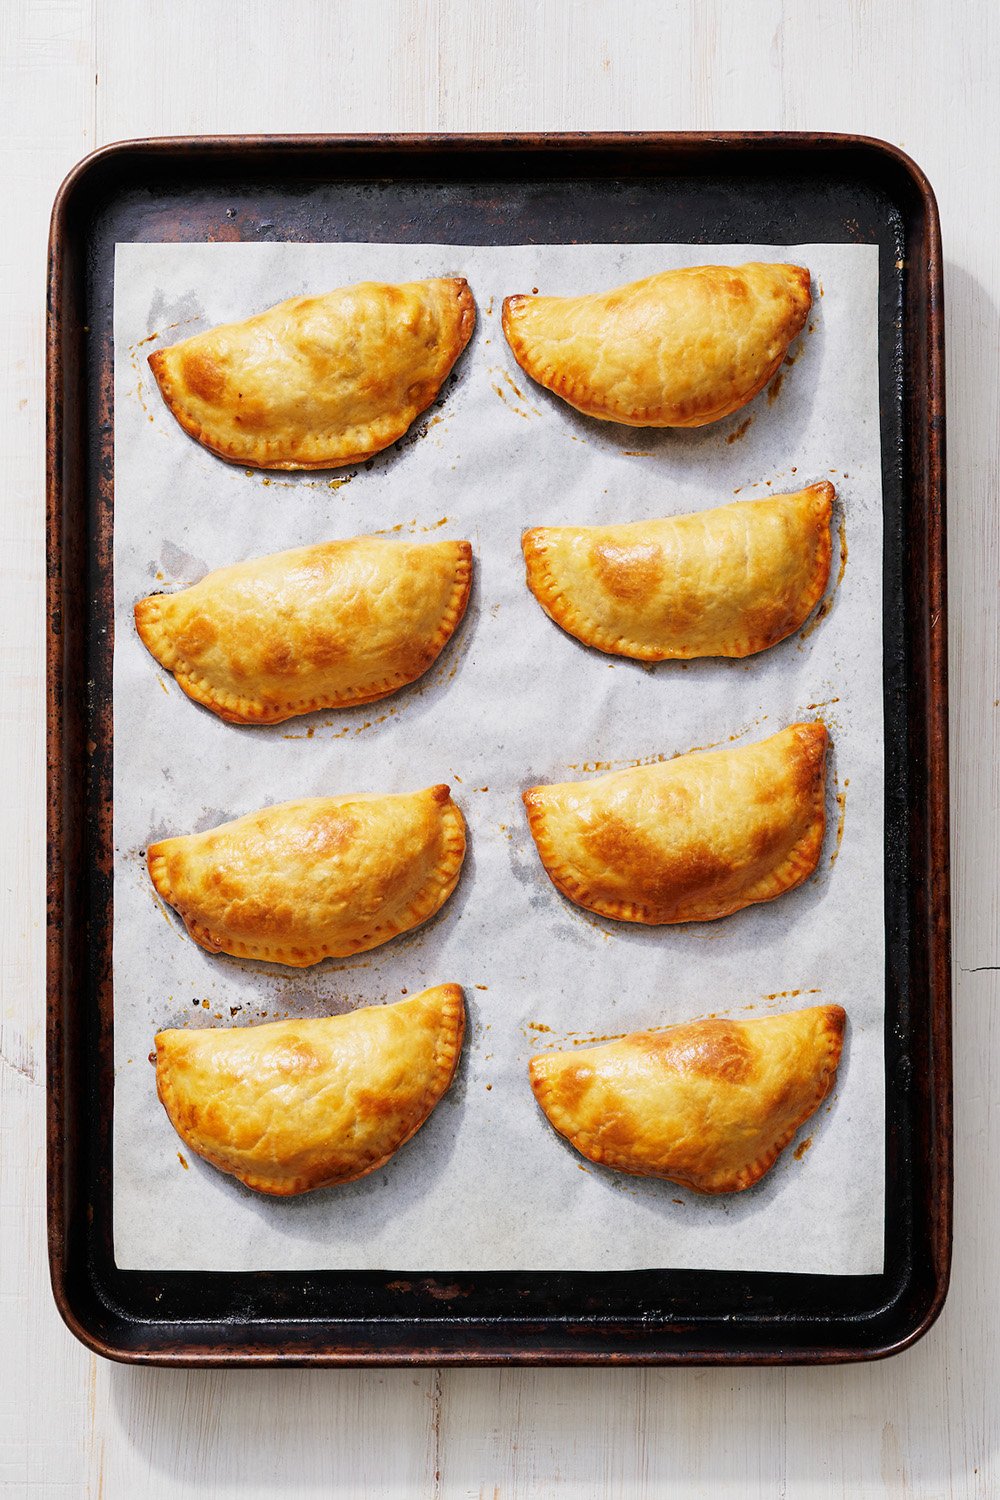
(75, 73)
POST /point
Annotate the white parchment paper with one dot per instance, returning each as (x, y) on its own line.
(513, 701)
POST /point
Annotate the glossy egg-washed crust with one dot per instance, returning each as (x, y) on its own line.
(689, 839)
(295, 1105)
(708, 1104)
(328, 626)
(722, 582)
(675, 350)
(318, 382)
(322, 878)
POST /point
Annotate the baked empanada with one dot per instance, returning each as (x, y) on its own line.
(675, 350)
(295, 1105)
(326, 626)
(688, 839)
(321, 878)
(710, 1104)
(724, 582)
(318, 382)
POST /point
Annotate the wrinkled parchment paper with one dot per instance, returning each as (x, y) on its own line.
(513, 701)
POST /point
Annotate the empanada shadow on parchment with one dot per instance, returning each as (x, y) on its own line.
(660, 1194)
(737, 932)
(346, 1215)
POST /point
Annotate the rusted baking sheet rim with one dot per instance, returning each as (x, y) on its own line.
(755, 187)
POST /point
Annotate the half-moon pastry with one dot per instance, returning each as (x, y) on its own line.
(675, 350)
(318, 382)
(709, 1104)
(723, 582)
(688, 839)
(322, 878)
(295, 1105)
(326, 626)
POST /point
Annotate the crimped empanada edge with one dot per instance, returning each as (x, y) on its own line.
(736, 1181)
(552, 596)
(798, 864)
(450, 1036)
(429, 899)
(581, 395)
(390, 428)
(250, 711)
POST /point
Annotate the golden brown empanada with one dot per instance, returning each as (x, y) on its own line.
(321, 878)
(318, 382)
(295, 1105)
(688, 839)
(676, 350)
(318, 627)
(724, 582)
(710, 1104)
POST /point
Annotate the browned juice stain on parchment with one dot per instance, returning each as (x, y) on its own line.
(739, 432)
(183, 1161)
(138, 363)
(785, 995)
(267, 481)
(509, 404)
(517, 392)
(589, 767)
(841, 796)
(560, 1040)
(410, 527)
(802, 1148)
(342, 731)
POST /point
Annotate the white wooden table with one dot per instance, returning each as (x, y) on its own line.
(77, 73)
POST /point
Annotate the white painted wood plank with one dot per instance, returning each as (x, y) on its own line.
(46, 122)
(918, 73)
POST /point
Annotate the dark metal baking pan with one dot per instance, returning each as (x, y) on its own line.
(506, 190)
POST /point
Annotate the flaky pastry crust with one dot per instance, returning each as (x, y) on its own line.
(679, 349)
(689, 839)
(709, 1104)
(290, 1106)
(327, 626)
(318, 382)
(322, 878)
(724, 582)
